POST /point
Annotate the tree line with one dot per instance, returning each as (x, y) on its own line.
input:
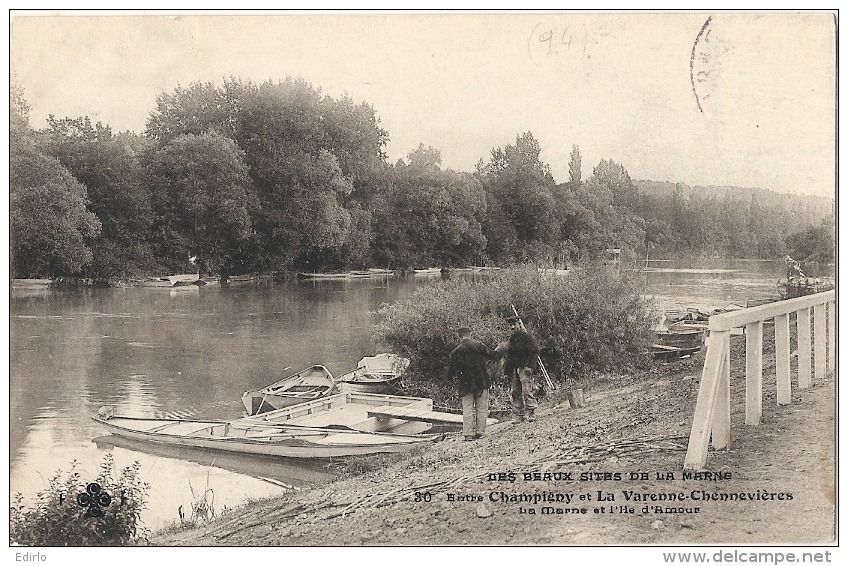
(276, 177)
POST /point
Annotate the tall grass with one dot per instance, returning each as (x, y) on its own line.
(591, 319)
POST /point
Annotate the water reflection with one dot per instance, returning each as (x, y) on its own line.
(153, 353)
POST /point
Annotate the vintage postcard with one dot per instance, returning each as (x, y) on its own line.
(424, 279)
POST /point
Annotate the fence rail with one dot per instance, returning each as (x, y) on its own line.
(712, 411)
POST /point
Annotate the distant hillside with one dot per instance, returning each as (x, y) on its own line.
(810, 208)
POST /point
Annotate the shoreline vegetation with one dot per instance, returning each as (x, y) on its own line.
(276, 177)
(820, 269)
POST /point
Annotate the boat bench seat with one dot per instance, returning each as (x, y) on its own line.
(341, 415)
(412, 414)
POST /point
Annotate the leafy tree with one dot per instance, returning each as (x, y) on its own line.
(351, 132)
(575, 173)
(51, 228)
(594, 221)
(302, 220)
(110, 168)
(814, 243)
(433, 216)
(521, 191)
(18, 113)
(203, 199)
(78, 129)
(196, 109)
(316, 164)
(616, 179)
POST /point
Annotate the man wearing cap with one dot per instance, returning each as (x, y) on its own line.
(522, 352)
(468, 366)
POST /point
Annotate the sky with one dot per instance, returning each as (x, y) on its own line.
(743, 99)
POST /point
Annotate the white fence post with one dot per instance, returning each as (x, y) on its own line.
(753, 373)
(805, 345)
(699, 437)
(781, 359)
(721, 414)
(820, 339)
(831, 335)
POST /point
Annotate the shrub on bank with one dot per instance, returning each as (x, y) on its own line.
(70, 512)
(590, 319)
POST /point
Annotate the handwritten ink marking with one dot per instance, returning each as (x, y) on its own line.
(530, 45)
(692, 62)
(551, 40)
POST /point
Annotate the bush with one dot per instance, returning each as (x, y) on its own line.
(591, 319)
(58, 519)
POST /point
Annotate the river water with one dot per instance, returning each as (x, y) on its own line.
(193, 352)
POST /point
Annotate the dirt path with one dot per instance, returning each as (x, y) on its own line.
(784, 469)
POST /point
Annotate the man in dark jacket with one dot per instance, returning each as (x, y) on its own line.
(468, 366)
(522, 353)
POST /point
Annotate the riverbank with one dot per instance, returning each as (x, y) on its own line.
(774, 485)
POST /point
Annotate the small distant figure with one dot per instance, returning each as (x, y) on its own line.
(468, 365)
(522, 352)
(106, 413)
(793, 268)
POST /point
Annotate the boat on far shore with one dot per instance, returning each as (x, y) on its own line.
(31, 284)
(428, 271)
(182, 280)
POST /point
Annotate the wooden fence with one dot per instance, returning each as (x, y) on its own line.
(712, 411)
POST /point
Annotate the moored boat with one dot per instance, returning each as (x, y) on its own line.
(359, 274)
(154, 282)
(671, 353)
(375, 374)
(688, 315)
(266, 439)
(181, 281)
(380, 271)
(306, 385)
(686, 338)
(241, 278)
(305, 275)
(30, 284)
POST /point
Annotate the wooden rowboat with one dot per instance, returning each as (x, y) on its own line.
(344, 424)
(428, 271)
(671, 353)
(304, 275)
(375, 374)
(305, 385)
(31, 283)
(267, 439)
(680, 338)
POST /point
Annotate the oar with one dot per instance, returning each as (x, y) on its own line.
(547, 377)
